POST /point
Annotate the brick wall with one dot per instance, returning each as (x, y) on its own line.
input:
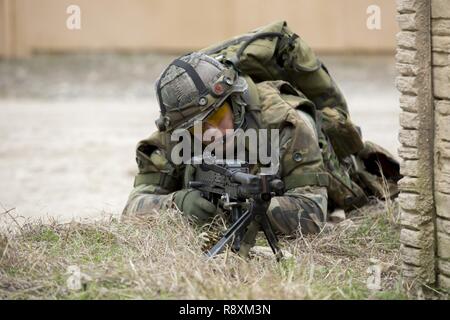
(440, 14)
(424, 41)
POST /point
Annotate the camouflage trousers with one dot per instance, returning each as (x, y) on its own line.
(303, 211)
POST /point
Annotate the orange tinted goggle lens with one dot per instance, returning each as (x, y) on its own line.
(217, 116)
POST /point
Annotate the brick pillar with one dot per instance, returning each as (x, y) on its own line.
(416, 136)
(441, 84)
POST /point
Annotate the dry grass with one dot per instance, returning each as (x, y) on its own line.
(159, 257)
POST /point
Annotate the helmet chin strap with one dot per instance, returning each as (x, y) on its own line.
(238, 106)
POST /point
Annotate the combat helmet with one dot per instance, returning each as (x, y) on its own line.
(192, 87)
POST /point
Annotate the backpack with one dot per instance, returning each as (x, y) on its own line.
(357, 169)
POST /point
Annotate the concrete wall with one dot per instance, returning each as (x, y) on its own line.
(423, 63)
(176, 25)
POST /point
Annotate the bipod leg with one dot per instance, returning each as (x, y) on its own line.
(236, 212)
(270, 235)
(236, 228)
(249, 239)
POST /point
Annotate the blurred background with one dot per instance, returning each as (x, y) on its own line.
(76, 84)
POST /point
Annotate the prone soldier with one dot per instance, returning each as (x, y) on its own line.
(266, 79)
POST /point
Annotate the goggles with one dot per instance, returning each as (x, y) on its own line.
(215, 119)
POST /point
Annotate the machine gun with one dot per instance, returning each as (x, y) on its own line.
(245, 196)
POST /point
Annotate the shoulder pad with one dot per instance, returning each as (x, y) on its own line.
(150, 154)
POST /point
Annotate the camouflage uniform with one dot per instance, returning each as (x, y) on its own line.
(290, 90)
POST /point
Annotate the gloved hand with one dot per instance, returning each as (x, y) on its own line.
(191, 202)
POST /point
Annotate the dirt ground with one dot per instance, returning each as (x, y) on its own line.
(69, 125)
